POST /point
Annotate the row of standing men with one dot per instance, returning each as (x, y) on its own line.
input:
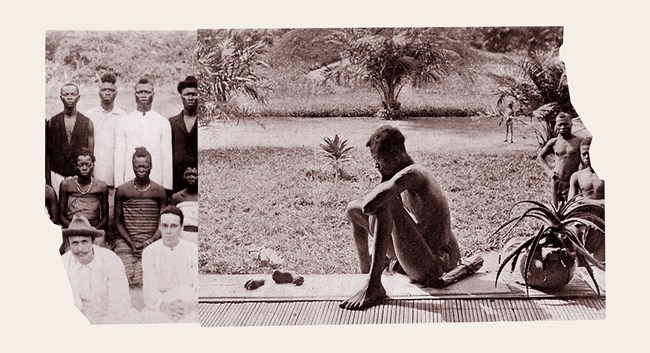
(118, 171)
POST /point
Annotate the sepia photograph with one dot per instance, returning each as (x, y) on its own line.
(121, 171)
(394, 175)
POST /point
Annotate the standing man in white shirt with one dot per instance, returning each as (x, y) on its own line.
(105, 118)
(170, 273)
(100, 289)
(144, 127)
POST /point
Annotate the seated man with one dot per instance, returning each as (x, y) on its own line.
(84, 195)
(137, 206)
(408, 216)
(591, 189)
(188, 202)
(99, 286)
(170, 273)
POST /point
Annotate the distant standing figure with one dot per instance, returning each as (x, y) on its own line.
(170, 273)
(184, 129)
(566, 149)
(187, 200)
(409, 218)
(137, 207)
(510, 113)
(105, 118)
(144, 128)
(67, 132)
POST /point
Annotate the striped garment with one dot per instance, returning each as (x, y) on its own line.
(141, 221)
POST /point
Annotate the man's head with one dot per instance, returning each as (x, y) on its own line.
(388, 150)
(585, 144)
(171, 224)
(84, 162)
(190, 172)
(144, 94)
(141, 163)
(189, 91)
(69, 95)
(563, 124)
(80, 235)
(107, 89)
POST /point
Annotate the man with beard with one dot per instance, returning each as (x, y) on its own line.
(144, 128)
(187, 200)
(566, 149)
(137, 207)
(408, 216)
(184, 129)
(66, 133)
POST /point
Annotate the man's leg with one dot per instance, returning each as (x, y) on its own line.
(360, 224)
(410, 248)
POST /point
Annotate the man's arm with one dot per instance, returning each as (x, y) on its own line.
(574, 186)
(119, 218)
(91, 136)
(51, 204)
(119, 297)
(150, 285)
(543, 153)
(166, 156)
(407, 178)
(120, 151)
(64, 221)
(103, 221)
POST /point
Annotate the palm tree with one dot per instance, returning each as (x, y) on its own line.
(539, 84)
(388, 58)
(226, 62)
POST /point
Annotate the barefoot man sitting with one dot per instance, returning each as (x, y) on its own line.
(408, 217)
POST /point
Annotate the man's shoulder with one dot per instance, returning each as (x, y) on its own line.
(176, 118)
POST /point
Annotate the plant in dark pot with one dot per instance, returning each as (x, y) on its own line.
(548, 258)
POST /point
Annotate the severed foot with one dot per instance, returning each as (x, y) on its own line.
(365, 298)
(253, 284)
(281, 277)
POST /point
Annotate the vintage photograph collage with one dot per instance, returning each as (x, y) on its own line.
(322, 176)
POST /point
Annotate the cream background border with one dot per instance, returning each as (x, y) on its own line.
(605, 51)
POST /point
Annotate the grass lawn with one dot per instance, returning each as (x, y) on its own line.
(272, 188)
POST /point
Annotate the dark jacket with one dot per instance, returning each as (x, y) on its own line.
(184, 145)
(59, 152)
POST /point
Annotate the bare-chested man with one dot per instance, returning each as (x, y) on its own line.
(592, 190)
(566, 149)
(137, 208)
(408, 216)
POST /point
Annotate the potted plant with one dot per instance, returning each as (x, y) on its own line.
(549, 257)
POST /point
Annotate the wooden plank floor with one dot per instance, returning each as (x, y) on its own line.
(223, 301)
(284, 313)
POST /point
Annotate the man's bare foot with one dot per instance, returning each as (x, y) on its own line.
(365, 298)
